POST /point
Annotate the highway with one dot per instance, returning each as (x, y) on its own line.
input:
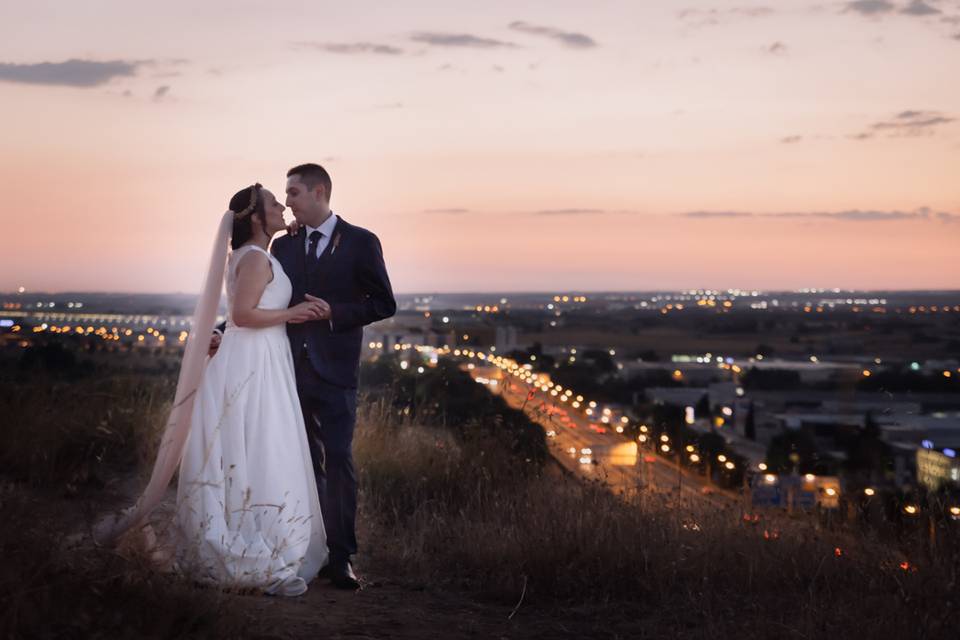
(596, 451)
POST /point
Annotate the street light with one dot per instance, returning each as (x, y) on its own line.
(869, 491)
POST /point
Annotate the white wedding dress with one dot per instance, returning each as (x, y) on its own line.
(247, 513)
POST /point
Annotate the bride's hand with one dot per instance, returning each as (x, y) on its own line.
(325, 310)
(305, 312)
(293, 228)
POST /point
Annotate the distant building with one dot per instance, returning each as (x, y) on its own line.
(506, 339)
(679, 396)
(687, 372)
(808, 371)
(936, 469)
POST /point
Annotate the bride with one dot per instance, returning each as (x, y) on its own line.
(247, 512)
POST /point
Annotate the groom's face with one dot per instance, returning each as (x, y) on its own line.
(304, 202)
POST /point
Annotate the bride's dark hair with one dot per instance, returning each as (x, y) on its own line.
(243, 214)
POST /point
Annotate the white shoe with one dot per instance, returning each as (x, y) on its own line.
(291, 587)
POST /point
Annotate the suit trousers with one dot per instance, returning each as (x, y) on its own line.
(330, 414)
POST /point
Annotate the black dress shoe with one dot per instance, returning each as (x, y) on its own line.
(325, 571)
(343, 577)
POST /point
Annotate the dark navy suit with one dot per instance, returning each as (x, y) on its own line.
(351, 276)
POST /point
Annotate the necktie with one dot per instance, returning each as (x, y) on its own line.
(312, 257)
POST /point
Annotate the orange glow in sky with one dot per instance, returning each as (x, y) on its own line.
(492, 146)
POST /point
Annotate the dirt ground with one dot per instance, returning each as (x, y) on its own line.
(387, 606)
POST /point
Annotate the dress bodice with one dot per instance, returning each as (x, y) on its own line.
(276, 295)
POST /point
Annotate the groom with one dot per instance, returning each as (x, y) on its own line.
(340, 266)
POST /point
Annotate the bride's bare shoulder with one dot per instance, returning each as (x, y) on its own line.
(250, 260)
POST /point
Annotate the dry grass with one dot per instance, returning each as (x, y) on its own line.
(462, 513)
(455, 506)
(70, 434)
(55, 585)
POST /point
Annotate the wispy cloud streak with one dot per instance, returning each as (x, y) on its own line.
(466, 40)
(851, 215)
(351, 48)
(569, 39)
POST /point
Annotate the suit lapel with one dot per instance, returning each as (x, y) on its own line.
(300, 255)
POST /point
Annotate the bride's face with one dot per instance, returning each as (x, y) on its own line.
(273, 213)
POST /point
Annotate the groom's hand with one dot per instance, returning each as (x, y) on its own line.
(323, 305)
(214, 344)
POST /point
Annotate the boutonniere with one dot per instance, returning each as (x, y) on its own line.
(336, 243)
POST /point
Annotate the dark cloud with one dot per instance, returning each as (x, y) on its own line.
(161, 92)
(452, 212)
(777, 48)
(912, 123)
(869, 7)
(71, 73)
(791, 139)
(919, 8)
(435, 39)
(352, 48)
(569, 39)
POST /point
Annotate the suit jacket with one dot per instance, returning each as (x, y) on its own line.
(352, 277)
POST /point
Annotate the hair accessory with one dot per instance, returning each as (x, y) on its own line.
(254, 190)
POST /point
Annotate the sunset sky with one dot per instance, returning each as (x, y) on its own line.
(563, 145)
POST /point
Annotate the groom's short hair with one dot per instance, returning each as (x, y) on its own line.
(311, 175)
